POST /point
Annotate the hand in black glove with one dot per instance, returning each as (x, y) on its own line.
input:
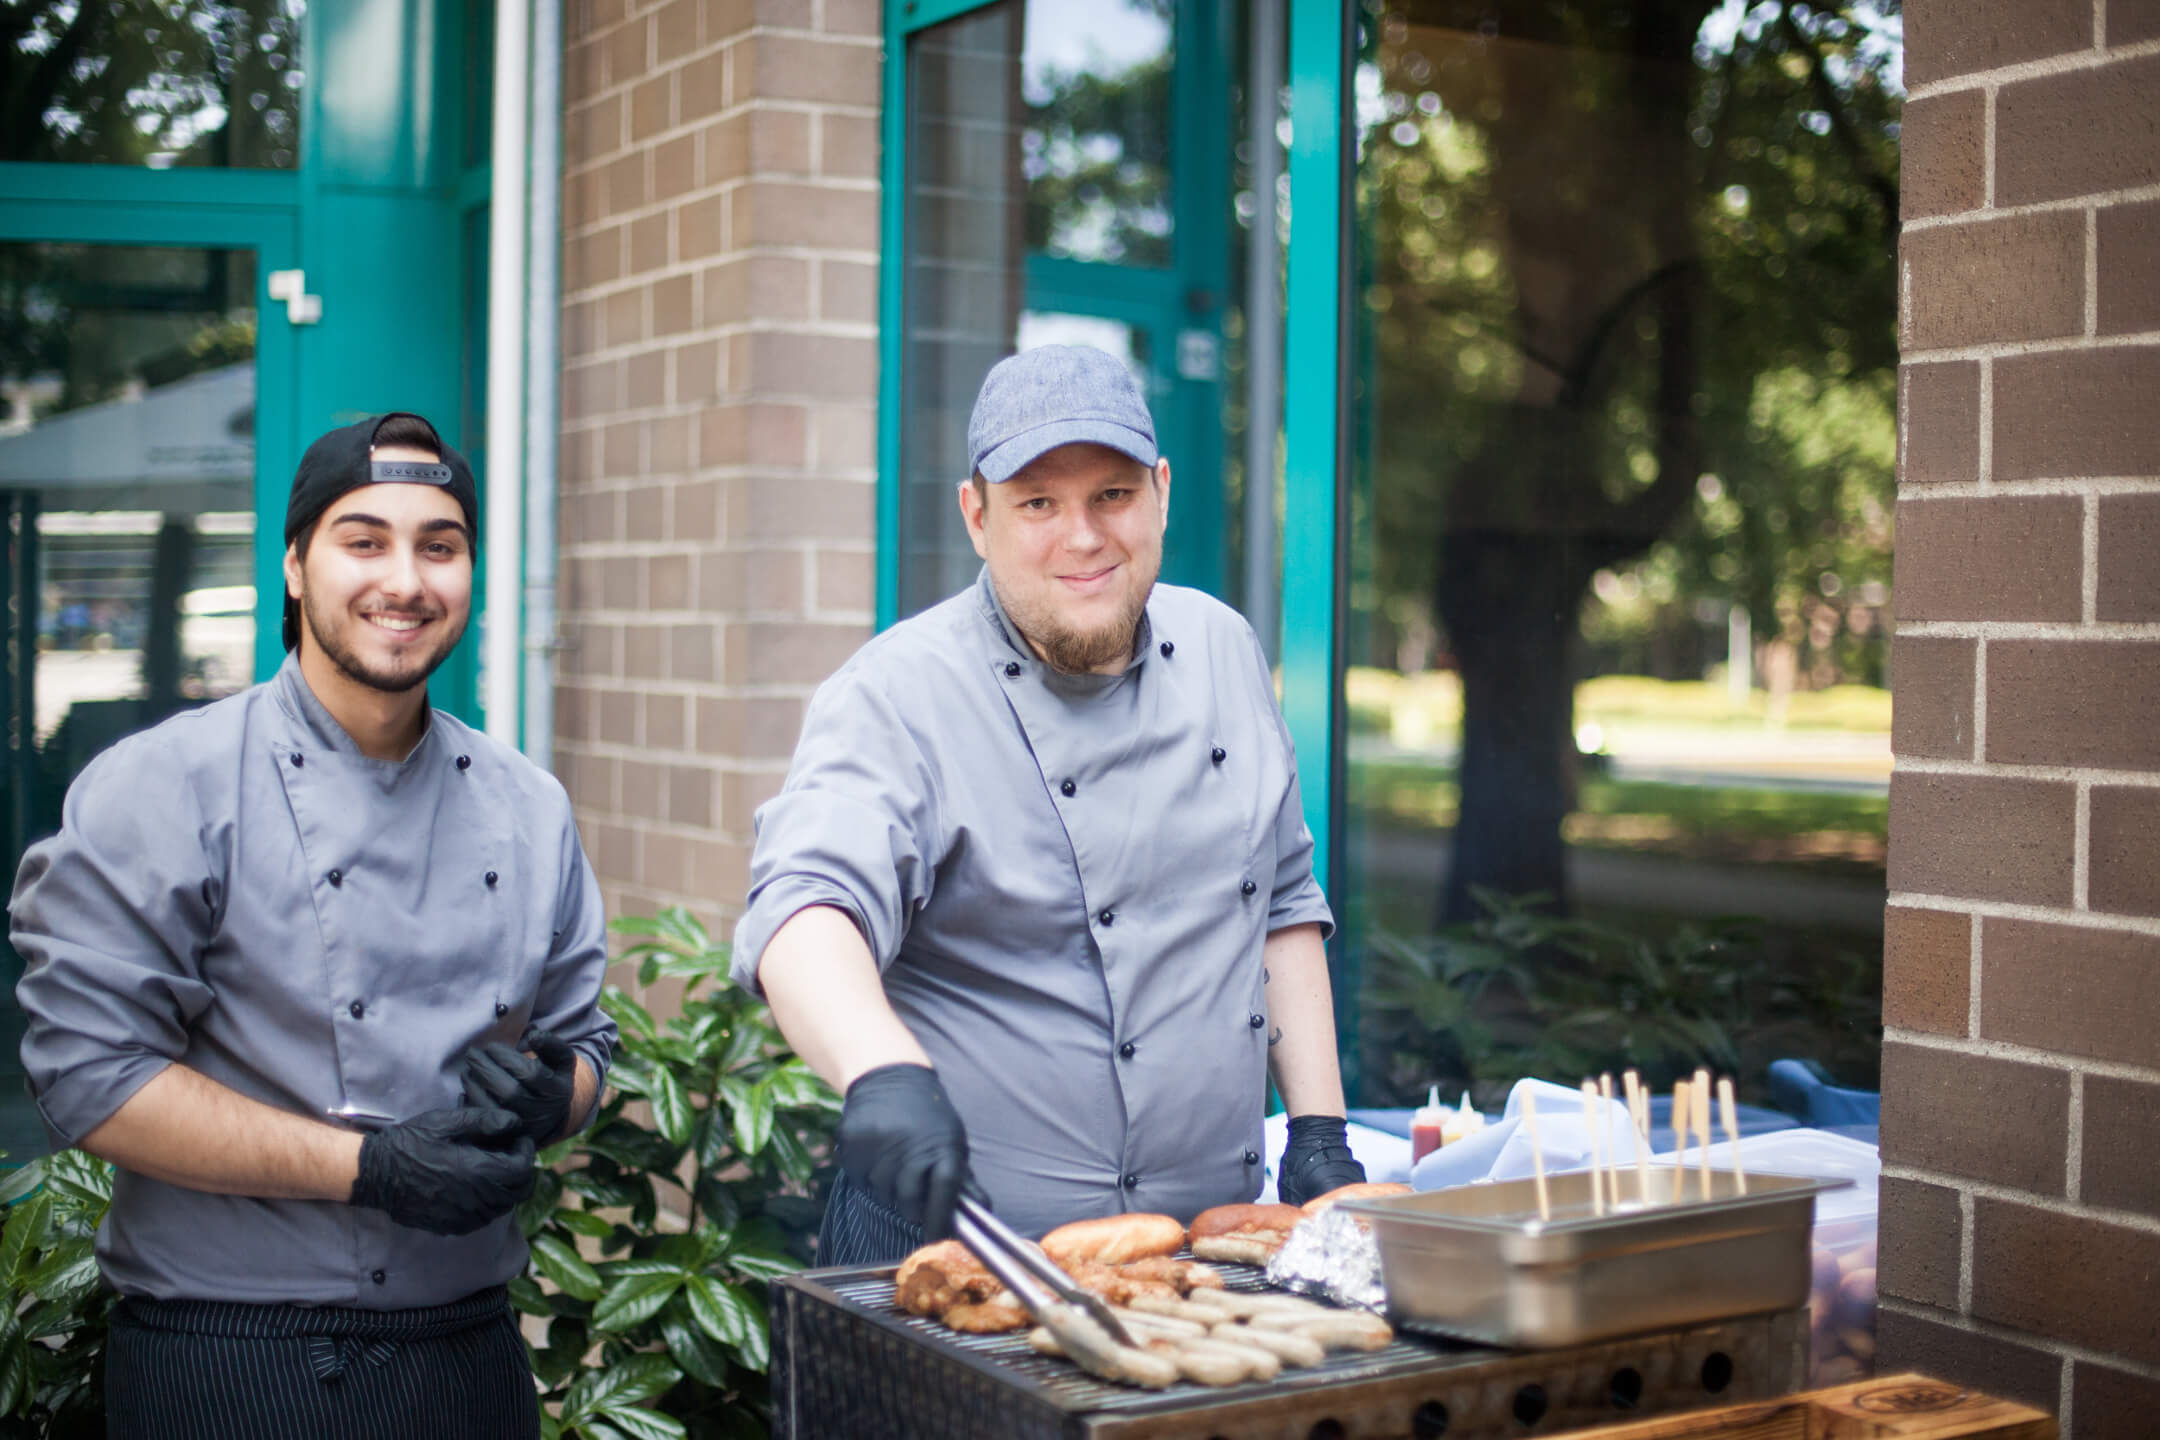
(448, 1172)
(536, 1088)
(1316, 1160)
(901, 1140)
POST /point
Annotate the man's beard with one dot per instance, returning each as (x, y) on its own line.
(1077, 652)
(352, 667)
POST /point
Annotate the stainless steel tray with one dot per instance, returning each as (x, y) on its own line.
(1476, 1263)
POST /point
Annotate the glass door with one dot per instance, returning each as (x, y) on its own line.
(138, 421)
(1058, 174)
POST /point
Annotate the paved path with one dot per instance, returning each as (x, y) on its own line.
(1780, 894)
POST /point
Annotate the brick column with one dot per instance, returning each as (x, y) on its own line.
(2021, 1056)
(719, 417)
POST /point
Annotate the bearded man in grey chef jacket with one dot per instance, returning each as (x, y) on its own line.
(1038, 892)
(317, 968)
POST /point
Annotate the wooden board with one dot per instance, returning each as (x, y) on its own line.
(1894, 1407)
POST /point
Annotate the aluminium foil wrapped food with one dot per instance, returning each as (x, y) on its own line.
(1331, 1255)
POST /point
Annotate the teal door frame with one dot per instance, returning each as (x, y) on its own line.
(97, 209)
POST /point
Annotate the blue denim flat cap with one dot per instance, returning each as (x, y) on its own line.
(1035, 401)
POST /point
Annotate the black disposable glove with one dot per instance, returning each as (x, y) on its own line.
(901, 1140)
(1317, 1159)
(448, 1172)
(536, 1088)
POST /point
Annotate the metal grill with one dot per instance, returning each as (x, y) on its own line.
(1076, 1389)
(848, 1364)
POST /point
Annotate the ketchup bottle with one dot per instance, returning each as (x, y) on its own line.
(1426, 1126)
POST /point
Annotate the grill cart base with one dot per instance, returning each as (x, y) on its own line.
(848, 1365)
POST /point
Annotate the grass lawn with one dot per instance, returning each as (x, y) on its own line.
(1422, 709)
(1804, 827)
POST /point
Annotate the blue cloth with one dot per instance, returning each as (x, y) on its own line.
(1804, 1088)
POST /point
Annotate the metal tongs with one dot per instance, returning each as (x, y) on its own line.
(1026, 1271)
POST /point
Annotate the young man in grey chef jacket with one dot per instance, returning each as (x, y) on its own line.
(1038, 892)
(317, 967)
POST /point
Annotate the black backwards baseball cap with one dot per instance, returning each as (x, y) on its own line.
(344, 460)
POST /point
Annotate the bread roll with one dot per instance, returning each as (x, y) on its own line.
(1246, 1234)
(1364, 1190)
(1114, 1239)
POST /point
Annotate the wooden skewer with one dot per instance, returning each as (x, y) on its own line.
(1537, 1154)
(1681, 1118)
(1699, 1104)
(1605, 1132)
(1732, 1131)
(1638, 1109)
(1597, 1171)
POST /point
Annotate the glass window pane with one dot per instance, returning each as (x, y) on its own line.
(1621, 545)
(127, 511)
(154, 82)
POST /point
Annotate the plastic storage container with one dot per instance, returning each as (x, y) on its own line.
(1841, 1292)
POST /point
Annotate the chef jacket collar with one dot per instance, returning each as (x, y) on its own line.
(993, 611)
(318, 726)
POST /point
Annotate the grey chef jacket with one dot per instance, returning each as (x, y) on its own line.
(241, 890)
(1066, 882)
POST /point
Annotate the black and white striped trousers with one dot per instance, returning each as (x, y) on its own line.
(857, 1230)
(209, 1370)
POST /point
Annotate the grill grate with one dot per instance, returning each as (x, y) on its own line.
(848, 1364)
(1076, 1389)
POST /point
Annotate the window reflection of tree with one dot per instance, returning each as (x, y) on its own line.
(1613, 251)
(1096, 152)
(151, 82)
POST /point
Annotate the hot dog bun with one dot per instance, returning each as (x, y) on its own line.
(1367, 1190)
(1114, 1239)
(1246, 1234)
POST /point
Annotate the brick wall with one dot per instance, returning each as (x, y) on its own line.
(2021, 1058)
(719, 417)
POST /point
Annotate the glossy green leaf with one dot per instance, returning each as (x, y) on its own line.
(21, 1181)
(645, 1424)
(15, 1385)
(671, 1108)
(635, 1021)
(761, 1262)
(632, 1382)
(635, 1299)
(20, 1242)
(692, 1349)
(583, 1222)
(753, 1121)
(608, 1192)
(536, 1209)
(711, 1136)
(528, 1297)
(720, 1309)
(793, 1158)
(563, 1265)
(80, 1178)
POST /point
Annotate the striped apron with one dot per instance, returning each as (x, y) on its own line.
(210, 1370)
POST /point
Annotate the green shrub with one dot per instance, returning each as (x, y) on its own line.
(1523, 992)
(653, 1232)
